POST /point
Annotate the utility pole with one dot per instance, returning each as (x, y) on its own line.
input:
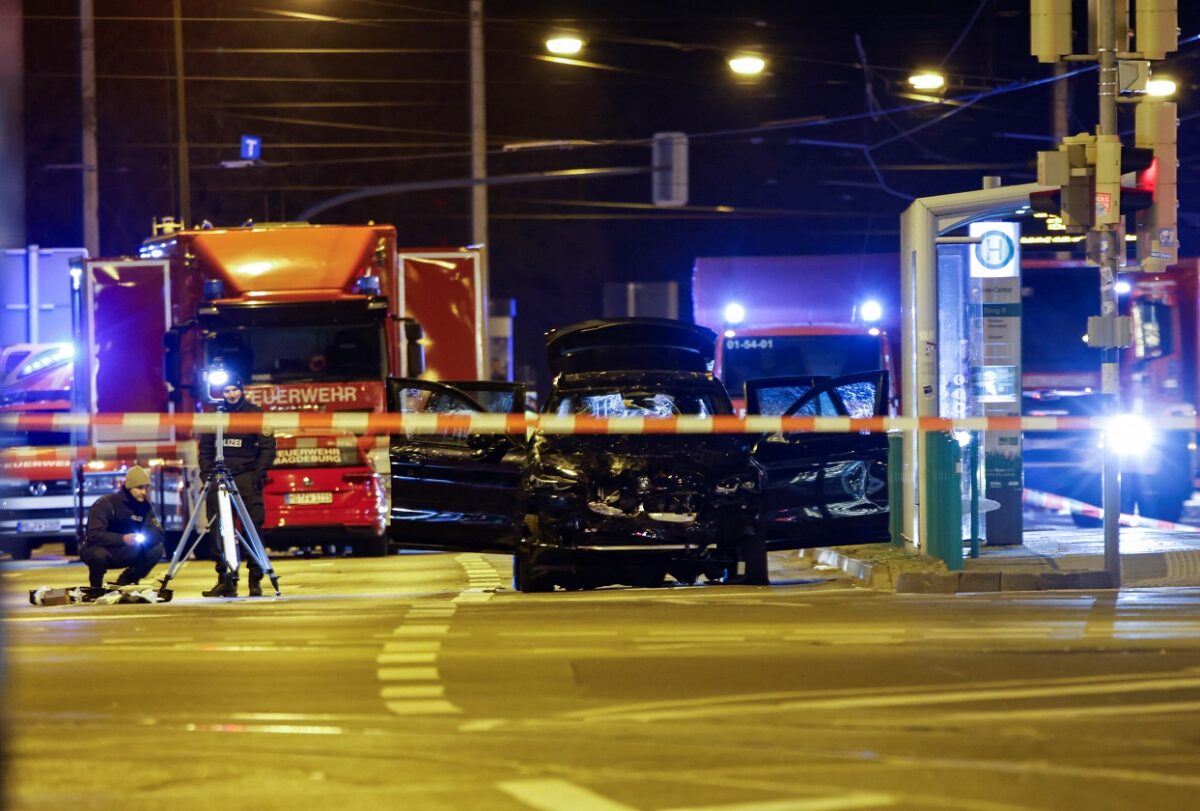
(90, 169)
(185, 186)
(479, 200)
(1108, 236)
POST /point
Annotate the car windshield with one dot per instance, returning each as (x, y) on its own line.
(637, 403)
(278, 354)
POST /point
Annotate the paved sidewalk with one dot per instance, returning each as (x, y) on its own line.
(1061, 558)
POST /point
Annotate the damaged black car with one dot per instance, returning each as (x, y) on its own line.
(582, 510)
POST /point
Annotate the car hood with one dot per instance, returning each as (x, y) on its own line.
(707, 456)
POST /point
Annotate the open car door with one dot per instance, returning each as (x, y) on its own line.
(822, 489)
(455, 491)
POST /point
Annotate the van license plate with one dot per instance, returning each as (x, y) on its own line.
(309, 498)
(40, 525)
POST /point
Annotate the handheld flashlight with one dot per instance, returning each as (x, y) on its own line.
(140, 537)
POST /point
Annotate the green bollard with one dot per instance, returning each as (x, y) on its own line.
(943, 490)
(896, 488)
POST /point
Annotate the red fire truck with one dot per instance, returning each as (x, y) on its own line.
(313, 319)
(834, 315)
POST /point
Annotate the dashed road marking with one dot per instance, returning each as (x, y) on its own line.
(408, 664)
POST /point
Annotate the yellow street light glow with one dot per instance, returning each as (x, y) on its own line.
(927, 80)
(1162, 86)
(747, 64)
(564, 44)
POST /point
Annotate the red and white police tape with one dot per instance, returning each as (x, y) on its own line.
(163, 452)
(377, 424)
(1050, 501)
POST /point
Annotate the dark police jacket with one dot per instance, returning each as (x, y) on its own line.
(117, 514)
(243, 452)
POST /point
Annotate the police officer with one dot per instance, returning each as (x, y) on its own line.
(122, 530)
(247, 456)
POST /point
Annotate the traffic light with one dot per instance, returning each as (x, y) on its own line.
(669, 169)
(1139, 174)
(1156, 31)
(1071, 168)
(1154, 131)
(1049, 29)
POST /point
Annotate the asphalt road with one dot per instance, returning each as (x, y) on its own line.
(423, 681)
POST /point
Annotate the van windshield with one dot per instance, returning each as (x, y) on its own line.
(750, 357)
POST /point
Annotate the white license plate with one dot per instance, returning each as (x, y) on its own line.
(40, 525)
(309, 498)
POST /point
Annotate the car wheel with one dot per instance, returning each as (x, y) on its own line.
(527, 576)
(754, 553)
(375, 546)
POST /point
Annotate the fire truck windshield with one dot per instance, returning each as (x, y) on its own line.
(279, 354)
(750, 357)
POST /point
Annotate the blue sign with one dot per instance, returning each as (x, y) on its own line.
(251, 147)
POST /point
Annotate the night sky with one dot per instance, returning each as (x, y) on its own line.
(820, 155)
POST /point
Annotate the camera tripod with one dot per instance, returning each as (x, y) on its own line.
(228, 500)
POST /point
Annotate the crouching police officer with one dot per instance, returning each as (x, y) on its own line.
(247, 456)
(122, 530)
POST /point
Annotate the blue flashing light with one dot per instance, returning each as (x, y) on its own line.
(734, 313)
(870, 311)
(213, 289)
(217, 377)
(369, 285)
(1123, 287)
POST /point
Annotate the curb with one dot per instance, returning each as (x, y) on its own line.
(974, 582)
(873, 574)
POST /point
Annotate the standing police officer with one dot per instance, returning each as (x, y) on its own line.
(247, 456)
(122, 530)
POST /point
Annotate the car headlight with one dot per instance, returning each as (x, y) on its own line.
(1130, 435)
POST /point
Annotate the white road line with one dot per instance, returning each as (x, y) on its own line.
(413, 691)
(842, 803)
(553, 794)
(422, 707)
(413, 646)
(408, 674)
(413, 658)
(1068, 713)
(422, 630)
(407, 658)
(702, 708)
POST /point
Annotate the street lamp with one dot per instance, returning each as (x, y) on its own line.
(927, 80)
(1161, 86)
(746, 64)
(564, 44)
